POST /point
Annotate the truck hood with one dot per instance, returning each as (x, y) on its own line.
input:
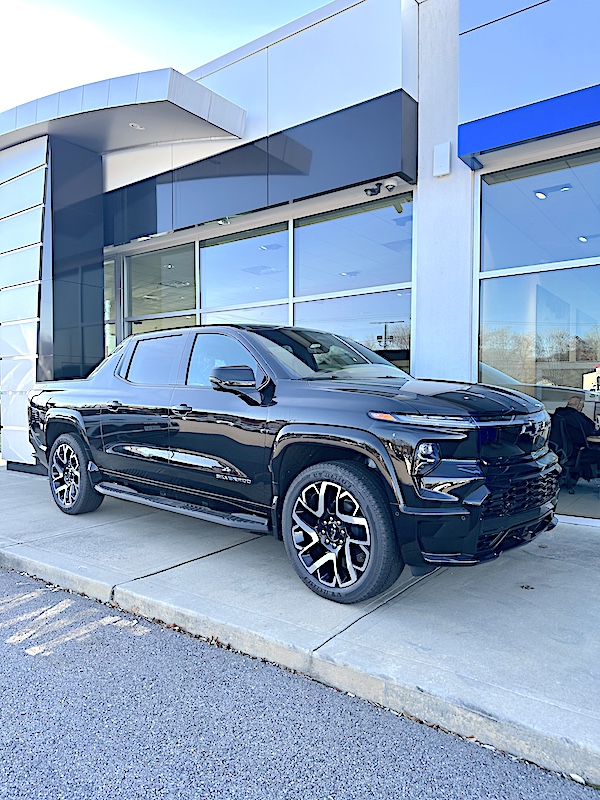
(438, 398)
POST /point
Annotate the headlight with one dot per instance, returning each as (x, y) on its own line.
(426, 457)
(425, 419)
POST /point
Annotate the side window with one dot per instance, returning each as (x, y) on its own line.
(216, 350)
(155, 361)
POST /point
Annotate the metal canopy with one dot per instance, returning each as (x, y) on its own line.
(131, 111)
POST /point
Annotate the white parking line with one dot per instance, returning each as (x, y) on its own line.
(49, 618)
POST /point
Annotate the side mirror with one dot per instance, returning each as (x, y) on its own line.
(232, 378)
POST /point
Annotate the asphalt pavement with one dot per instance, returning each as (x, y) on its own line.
(98, 704)
(507, 653)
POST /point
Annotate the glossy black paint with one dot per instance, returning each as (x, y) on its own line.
(491, 486)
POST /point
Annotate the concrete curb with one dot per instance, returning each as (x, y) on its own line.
(327, 664)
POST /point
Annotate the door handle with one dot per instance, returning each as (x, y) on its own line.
(182, 409)
(114, 404)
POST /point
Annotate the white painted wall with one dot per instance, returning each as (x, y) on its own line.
(542, 51)
(349, 55)
(443, 280)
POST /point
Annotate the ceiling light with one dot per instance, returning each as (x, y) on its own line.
(136, 127)
(543, 192)
(352, 274)
(583, 239)
(169, 266)
(224, 221)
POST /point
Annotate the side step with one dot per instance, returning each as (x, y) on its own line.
(248, 522)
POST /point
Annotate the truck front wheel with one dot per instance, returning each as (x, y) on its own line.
(338, 532)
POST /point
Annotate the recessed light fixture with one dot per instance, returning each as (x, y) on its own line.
(352, 274)
(583, 238)
(589, 236)
(544, 191)
(224, 221)
(136, 127)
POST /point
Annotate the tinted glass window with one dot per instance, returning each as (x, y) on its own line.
(216, 350)
(541, 329)
(244, 270)
(381, 321)
(541, 213)
(155, 360)
(315, 354)
(353, 249)
(271, 315)
(162, 281)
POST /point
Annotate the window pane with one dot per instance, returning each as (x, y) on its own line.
(162, 281)
(380, 321)
(161, 323)
(271, 315)
(110, 338)
(342, 251)
(542, 329)
(109, 290)
(540, 334)
(244, 270)
(216, 350)
(155, 360)
(541, 213)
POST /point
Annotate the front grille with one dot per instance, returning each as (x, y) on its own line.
(512, 496)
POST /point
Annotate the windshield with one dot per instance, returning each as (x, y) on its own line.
(314, 354)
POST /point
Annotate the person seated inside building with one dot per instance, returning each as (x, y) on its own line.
(579, 427)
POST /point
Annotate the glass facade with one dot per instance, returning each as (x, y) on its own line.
(332, 279)
(256, 267)
(161, 282)
(542, 213)
(540, 311)
(338, 252)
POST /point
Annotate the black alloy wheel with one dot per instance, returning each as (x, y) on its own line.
(70, 482)
(339, 533)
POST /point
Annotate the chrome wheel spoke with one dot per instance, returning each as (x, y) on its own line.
(330, 534)
(65, 475)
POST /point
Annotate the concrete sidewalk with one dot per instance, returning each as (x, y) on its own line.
(507, 652)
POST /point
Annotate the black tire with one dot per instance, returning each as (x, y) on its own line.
(355, 561)
(70, 482)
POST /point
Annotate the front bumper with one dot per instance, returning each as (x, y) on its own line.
(512, 508)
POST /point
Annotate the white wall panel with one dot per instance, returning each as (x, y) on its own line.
(19, 302)
(19, 339)
(245, 83)
(443, 284)
(16, 446)
(14, 409)
(20, 266)
(553, 50)
(17, 374)
(344, 60)
(22, 157)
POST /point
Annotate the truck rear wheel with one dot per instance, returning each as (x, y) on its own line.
(70, 482)
(338, 532)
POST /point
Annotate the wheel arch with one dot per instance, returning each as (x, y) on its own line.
(300, 446)
(64, 421)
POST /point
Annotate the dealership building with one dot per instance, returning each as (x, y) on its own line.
(420, 175)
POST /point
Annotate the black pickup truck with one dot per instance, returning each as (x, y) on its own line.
(309, 437)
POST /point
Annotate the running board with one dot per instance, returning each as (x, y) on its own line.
(248, 522)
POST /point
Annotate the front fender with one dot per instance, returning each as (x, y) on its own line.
(354, 439)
